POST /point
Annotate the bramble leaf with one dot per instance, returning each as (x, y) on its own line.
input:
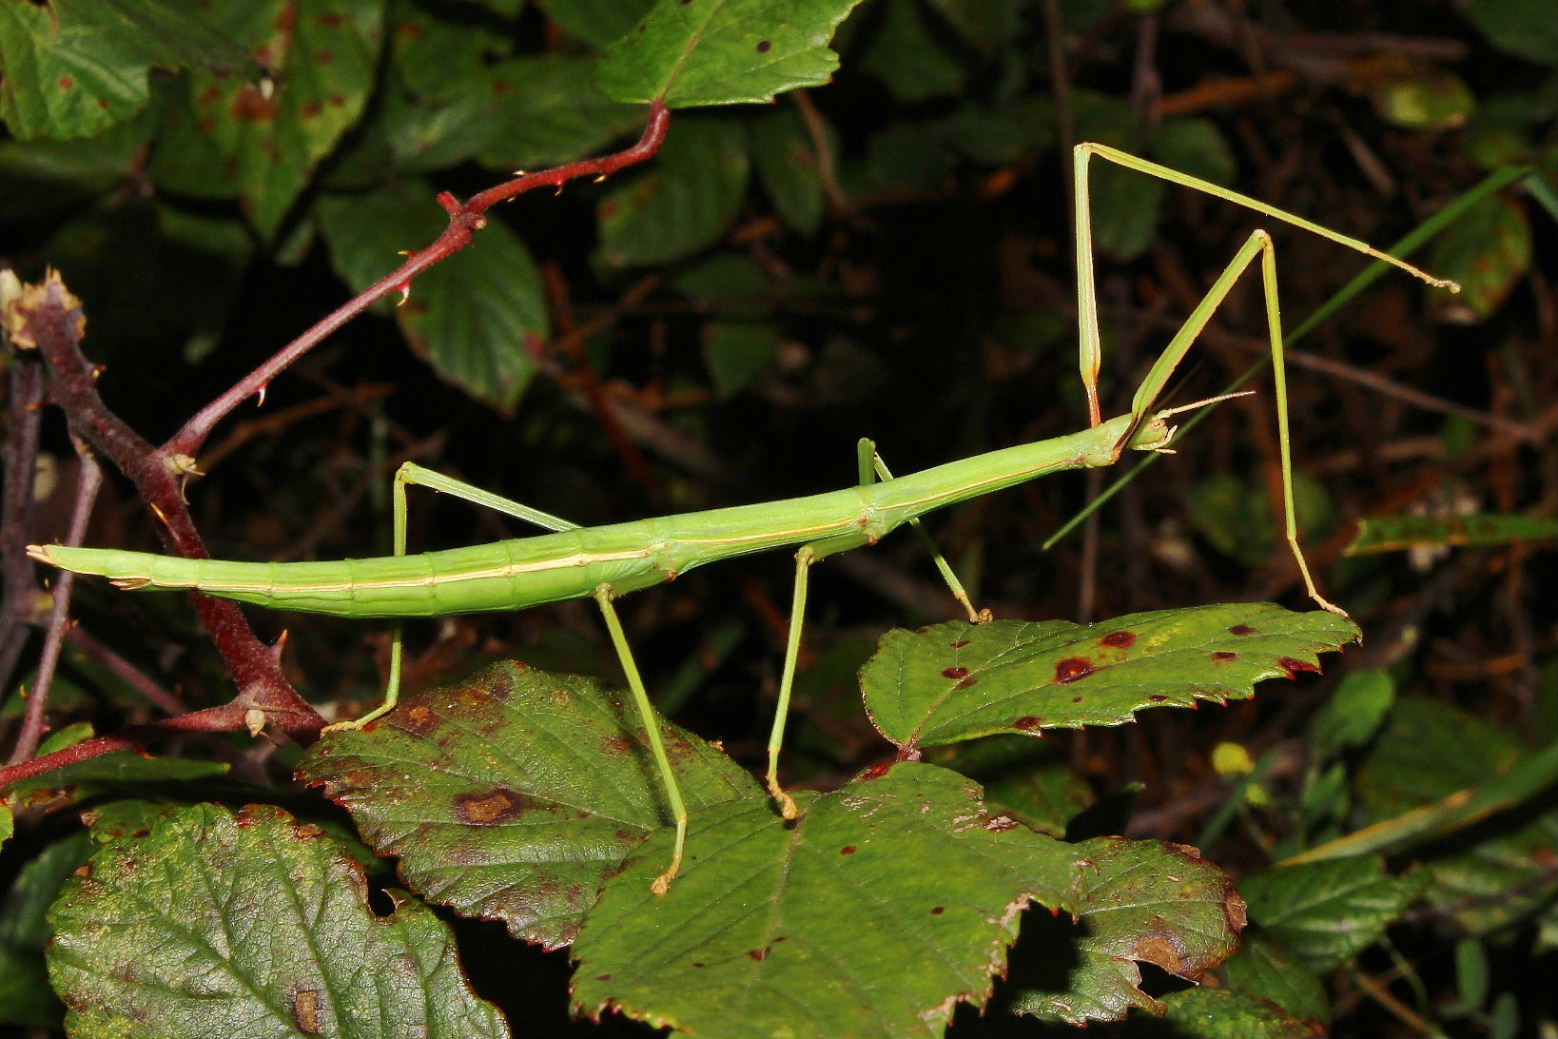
(723, 52)
(252, 925)
(887, 904)
(957, 681)
(511, 795)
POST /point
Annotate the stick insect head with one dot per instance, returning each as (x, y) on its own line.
(1155, 433)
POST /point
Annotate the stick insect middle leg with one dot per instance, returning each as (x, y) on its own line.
(871, 467)
(411, 473)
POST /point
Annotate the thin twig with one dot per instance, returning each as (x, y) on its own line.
(88, 482)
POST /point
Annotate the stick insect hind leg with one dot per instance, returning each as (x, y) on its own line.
(411, 473)
(1259, 243)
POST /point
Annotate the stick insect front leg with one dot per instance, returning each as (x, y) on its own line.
(411, 473)
(1258, 244)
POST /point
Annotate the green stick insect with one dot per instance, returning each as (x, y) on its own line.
(604, 563)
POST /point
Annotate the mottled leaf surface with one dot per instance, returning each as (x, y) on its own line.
(1212, 1013)
(513, 794)
(885, 905)
(269, 131)
(721, 52)
(250, 925)
(957, 681)
(1142, 902)
(74, 69)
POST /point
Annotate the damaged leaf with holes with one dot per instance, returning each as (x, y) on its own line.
(958, 681)
(250, 924)
(512, 795)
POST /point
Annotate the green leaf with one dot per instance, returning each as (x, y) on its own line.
(1488, 251)
(1142, 902)
(1353, 714)
(909, 59)
(817, 928)
(1028, 778)
(1210, 1013)
(722, 52)
(1433, 101)
(73, 69)
(684, 203)
(270, 133)
(1329, 911)
(25, 996)
(475, 317)
(736, 352)
(1267, 970)
(1398, 533)
(957, 681)
(252, 925)
(1429, 751)
(790, 168)
(547, 110)
(1517, 27)
(1196, 147)
(512, 795)
(596, 22)
(114, 772)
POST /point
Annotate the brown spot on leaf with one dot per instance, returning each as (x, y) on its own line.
(960, 645)
(323, 57)
(1120, 639)
(1026, 723)
(618, 745)
(1225, 655)
(333, 20)
(1157, 698)
(764, 46)
(418, 720)
(954, 672)
(876, 771)
(758, 954)
(966, 683)
(287, 19)
(251, 106)
(1073, 668)
(312, 109)
(848, 849)
(500, 805)
(305, 1010)
(66, 83)
(1241, 629)
(938, 910)
(1160, 948)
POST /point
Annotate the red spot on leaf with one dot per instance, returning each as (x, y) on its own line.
(960, 645)
(287, 20)
(1241, 629)
(312, 110)
(1073, 668)
(251, 106)
(102, 103)
(848, 849)
(1293, 667)
(764, 46)
(1157, 698)
(758, 954)
(966, 683)
(1225, 655)
(1120, 639)
(955, 672)
(66, 83)
(338, 100)
(876, 771)
(938, 910)
(1026, 723)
